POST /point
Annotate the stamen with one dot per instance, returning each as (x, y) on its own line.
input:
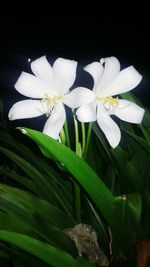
(51, 100)
(109, 100)
(110, 103)
(48, 103)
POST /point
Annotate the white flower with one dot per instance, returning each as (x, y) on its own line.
(109, 81)
(49, 87)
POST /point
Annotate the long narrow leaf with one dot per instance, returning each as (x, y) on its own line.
(49, 189)
(37, 162)
(33, 204)
(140, 141)
(43, 251)
(93, 185)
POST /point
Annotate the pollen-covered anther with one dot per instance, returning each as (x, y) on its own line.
(109, 100)
(110, 103)
(51, 100)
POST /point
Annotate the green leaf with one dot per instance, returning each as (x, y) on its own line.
(84, 174)
(126, 168)
(32, 204)
(35, 217)
(91, 183)
(135, 204)
(93, 218)
(40, 164)
(146, 134)
(23, 180)
(140, 141)
(21, 258)
(11, 222)
(131, 97)
(30, 170)
(49, 189)
(145, 126)
(3, 255)
(102, 140)
(43, 251)
(146, 120)
(37, 162)
(131, 203)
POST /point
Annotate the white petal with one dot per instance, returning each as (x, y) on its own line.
(43, 70)
(108, 126)
(55, 122)
(79, 96)
(129, 111)
(87, 112)
(111, 70)
(96, 70)
(31, 86)
(65, 73)
(25, 109)
(126, 80)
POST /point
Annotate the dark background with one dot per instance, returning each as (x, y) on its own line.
(84, 32)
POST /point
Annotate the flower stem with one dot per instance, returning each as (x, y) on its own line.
(76, 134)
(83, 135)
(67, 133)
(77, 193)
(87, 140)
(63, 136)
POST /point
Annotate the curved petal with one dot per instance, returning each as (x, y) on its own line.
(65, 73)
(96, 70)
(55, 122)
(129, 111)
(25, 109)
(126, 80)
(108, 126)
(87, 112)
(43, 70)
(111, 70)
(78, 97)
(31, 86)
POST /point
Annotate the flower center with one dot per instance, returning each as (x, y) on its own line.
(48, 103)
(110, 103)
(51, 100)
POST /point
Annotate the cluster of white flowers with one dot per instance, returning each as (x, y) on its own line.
(49, 89)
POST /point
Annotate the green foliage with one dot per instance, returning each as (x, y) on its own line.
(43, 251)
(37, 197)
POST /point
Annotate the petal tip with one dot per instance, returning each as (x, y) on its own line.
(114, 145)
(102, 61)
(38, 60)
(10, 117)
(10, 114)
(61, 59)
(135, 74)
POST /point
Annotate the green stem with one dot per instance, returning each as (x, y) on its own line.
(83, 135)
(63, 136)
(87, 140)
(76, 133)
(67, 134)
(77, 193)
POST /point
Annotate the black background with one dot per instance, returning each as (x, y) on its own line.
(84, 32)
